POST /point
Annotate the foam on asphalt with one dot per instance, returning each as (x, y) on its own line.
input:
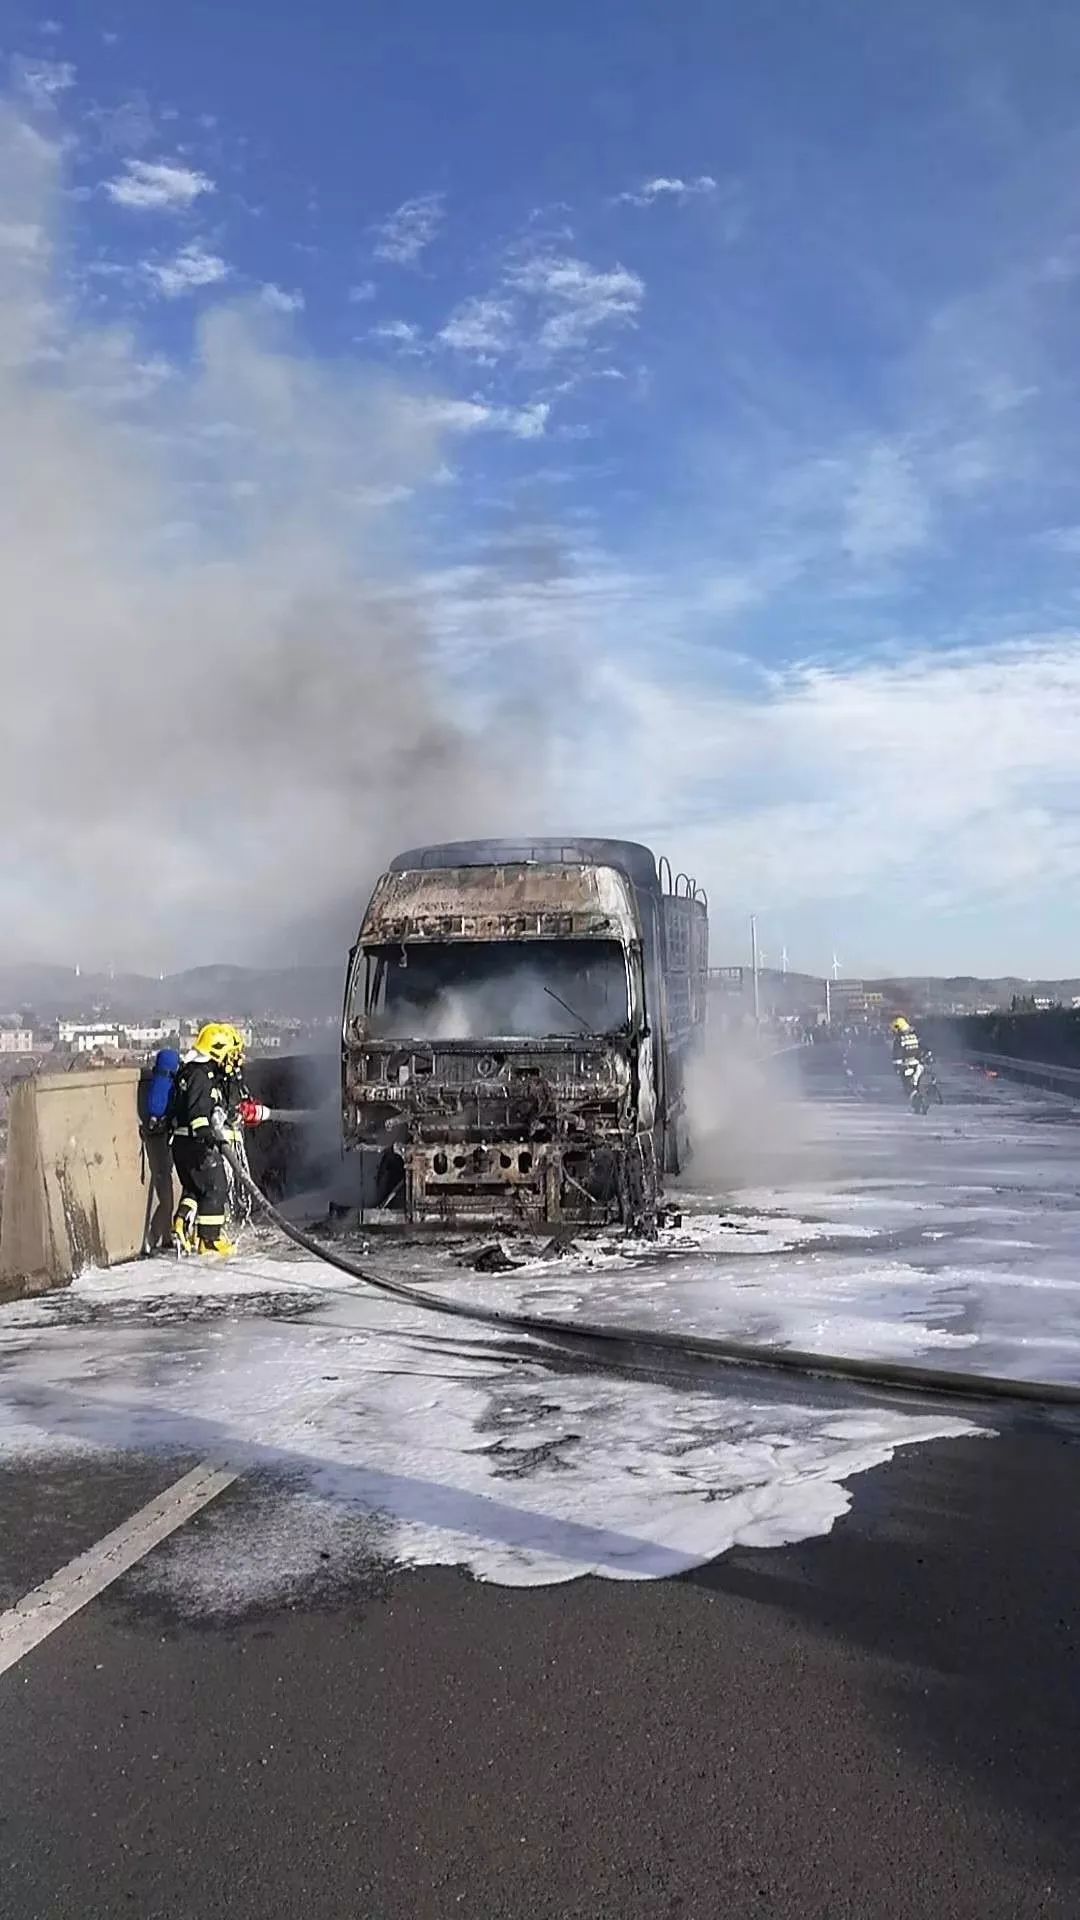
(953, 1238)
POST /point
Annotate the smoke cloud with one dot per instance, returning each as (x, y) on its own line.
(750, 1120)
(475, 993)
(221, 709)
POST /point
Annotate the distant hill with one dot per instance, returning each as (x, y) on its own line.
(917, 990)
(313, 993)
(966, 986)
(300, 993)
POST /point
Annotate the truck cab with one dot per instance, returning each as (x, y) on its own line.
(512, 1033)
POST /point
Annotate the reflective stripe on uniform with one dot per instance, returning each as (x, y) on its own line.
(181, 1133)
(210, 1219)
(200, 1122)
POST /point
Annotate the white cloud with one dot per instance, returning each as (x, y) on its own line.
(50, 28)
(953, 775)
(887, 511)
(191, 268)
(157, 185)
(1062, 540)
(545, 305)
(405, 234)
(281, 299)
(576, 299)
(476, 416)
(904, 787)
(365, 291)
(525, 423)
(382, 496)
(43, 80)
(725, 594)
(400, 333)
(483, 329)
(663, 187)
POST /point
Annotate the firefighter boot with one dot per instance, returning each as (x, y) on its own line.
(185, 1239)
(223, 1248)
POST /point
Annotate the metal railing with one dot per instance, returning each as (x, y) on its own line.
(1034, 1073)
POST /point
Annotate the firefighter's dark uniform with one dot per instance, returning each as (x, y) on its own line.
(236, 1094)
(199, 1114)
(237, 1097)
(906, 1048)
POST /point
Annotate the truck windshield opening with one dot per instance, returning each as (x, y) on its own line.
(482, 990)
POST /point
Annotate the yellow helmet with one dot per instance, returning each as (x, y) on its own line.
(900, 1025)
(220, 1042)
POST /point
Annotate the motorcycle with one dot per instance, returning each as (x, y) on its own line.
(921, 1085)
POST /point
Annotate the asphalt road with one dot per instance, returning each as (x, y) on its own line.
(881, 1723)
(875, 1724)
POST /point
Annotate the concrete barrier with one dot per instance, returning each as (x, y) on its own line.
(84, 1188)
(80, 1190)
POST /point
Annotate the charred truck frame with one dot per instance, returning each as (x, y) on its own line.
(519, 1020)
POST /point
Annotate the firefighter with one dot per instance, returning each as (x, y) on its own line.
(200, 1122)
(906, 1047)
(155, 1111)
(241, 1112)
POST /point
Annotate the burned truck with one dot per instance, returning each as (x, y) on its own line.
(519, 1023)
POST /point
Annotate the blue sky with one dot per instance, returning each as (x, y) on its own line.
(715, 372)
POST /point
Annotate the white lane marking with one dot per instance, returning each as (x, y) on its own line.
(39, 1613)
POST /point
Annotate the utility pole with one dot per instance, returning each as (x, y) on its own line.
(829, 984)
(755, 966)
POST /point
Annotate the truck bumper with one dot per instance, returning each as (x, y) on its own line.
(513, 1183)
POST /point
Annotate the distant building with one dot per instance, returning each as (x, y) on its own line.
(70, 1032)
(852, 1005)
(16, 1040)
(720, 979)
(82, 1036)
(154, 1034)
(98, 1040)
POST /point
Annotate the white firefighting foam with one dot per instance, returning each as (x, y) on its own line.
(421, 1440)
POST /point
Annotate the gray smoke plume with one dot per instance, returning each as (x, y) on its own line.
(553, 989)
(221, 710)
(750, 1120)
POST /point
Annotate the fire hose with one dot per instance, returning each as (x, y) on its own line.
(890, 1374)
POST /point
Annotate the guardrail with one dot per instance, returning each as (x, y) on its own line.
(1034, 1073)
